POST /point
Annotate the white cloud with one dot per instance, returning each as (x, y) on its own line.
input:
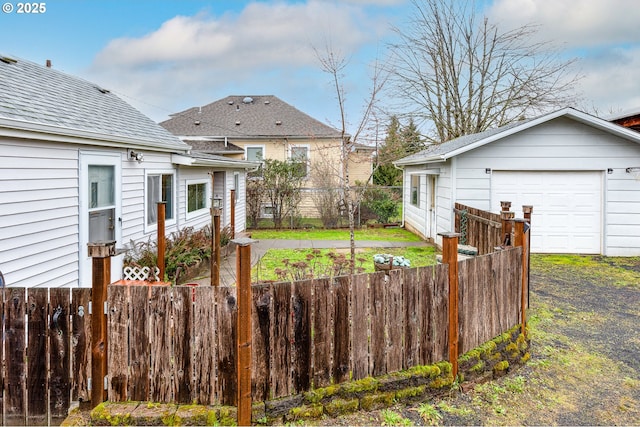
(610, 82)
(576, 23)
(602, 35)
(193, 60)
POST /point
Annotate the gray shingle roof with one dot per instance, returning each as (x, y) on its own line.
(214, 147)
(438, 150)
(247, 116)
(39, 95)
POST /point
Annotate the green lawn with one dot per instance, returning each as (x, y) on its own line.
(385, 234)
(298, 263)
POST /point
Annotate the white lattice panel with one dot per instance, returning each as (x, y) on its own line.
(140, 273)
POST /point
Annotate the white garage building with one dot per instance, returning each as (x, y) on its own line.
(581, 174)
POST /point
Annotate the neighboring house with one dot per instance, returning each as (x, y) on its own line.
(79, 165)
(581, 174)
(629, 119)
(255, 128)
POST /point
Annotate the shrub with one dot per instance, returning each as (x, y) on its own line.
(378, 204)
(184, 248)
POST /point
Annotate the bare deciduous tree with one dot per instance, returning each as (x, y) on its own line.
(334, 64)
(463, 74)
(328, 194)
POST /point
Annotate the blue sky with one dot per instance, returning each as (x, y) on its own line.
(164, 56)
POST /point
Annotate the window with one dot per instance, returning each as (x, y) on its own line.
(196, 196)
(159, 189)
(254, 154)
(266, 211)
(300, 155)
(415, 190)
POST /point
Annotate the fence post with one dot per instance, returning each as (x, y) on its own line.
(100, 253)
(215, 249)
(450, 257)
(521, 239)
(527, 210)
(161, 238)
(243, 344)
(506, 216)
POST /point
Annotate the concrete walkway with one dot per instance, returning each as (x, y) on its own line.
(260, 247)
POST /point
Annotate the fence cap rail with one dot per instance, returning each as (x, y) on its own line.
(449, 234)
(244, 241)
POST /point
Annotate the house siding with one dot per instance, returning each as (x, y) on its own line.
(39, 215)
(562, 145)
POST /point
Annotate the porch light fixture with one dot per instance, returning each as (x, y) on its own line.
(216, 202)
(136, 155)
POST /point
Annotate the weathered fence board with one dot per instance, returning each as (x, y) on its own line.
(205, 346)
(80, 344)
(378, 323)
(161, 348)
(15, 347)
(182, 315)
(37, 349)
(282, 339)
(323, 323)
(139, 348)
(426, 282)
(226, 318)
(360, 326)
(261, 347)
(394, 320)
(342, 335)
(118, 354)
(440, 314)
(412, 311)
(59, 356)
(302, 335)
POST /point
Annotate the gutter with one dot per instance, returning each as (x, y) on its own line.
(28, 130)
(186, 160)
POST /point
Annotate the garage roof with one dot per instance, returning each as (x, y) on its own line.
(454, 147)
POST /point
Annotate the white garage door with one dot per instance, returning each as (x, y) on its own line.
(567, 207)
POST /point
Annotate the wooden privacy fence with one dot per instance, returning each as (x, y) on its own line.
(46, 354)
(177, 344)
(478, 228)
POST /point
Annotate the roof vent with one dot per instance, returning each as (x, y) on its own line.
(7, 60)
(247, 100)
(238, 123)
(278, 122)
(267, 102)
(102, 90)
(230, 102)
(197, 122)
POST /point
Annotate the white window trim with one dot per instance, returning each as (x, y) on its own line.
(199, 212)
(418, 189)
(264, 150)
(308, 147)
(263, 214)
(150, 228)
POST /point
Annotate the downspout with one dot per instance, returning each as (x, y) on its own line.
(177, 199)
(404, 179)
